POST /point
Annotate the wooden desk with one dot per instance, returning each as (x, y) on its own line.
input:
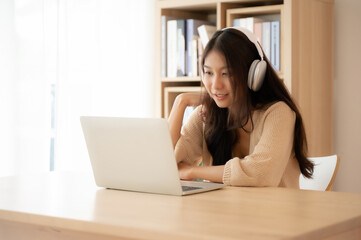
(70, 206)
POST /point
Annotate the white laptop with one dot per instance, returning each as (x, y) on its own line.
(136, 154)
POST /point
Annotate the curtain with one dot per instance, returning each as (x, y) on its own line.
(61, 59)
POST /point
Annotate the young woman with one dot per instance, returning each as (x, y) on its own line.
(246, 131)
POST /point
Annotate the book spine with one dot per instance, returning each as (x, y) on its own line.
(249, 23)
(172, 48)
(244, 22)
(189, 37)
(275, 45)
(237, 22)
(163, 58)
(191, 45)
(181, 30)
(205, 33)
(266, 38)
(200, 55)
(194, 58)
(258, 31)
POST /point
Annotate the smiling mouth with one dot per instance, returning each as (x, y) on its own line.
(220, 96)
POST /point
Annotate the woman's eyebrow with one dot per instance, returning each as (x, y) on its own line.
(225, 67)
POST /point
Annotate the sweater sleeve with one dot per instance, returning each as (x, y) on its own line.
(265, 166)
(189, 146)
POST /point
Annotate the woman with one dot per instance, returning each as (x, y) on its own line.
(248, 131)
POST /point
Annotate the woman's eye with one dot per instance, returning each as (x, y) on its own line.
(225, 74)
(207, 73)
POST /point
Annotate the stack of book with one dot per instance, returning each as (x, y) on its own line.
(267, 30)
(181, 46)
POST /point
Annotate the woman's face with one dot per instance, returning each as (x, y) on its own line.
(216, 79)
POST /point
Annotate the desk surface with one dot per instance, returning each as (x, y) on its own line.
(68, 203)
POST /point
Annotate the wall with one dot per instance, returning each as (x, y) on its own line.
(347, 139)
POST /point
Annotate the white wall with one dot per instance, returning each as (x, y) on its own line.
(347, 126)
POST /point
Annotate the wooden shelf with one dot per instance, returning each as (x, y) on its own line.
(254, 11)
(181, 79)
(170, 93)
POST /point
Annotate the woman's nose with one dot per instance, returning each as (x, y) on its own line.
(217, 83)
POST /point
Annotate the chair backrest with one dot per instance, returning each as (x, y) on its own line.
(324, 173)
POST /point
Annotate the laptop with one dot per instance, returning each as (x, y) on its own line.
(136, 154)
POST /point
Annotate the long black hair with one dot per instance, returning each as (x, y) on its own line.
(221, 124)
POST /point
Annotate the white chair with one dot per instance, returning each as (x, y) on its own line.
(323, 175)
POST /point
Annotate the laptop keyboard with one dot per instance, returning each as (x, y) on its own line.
(189, 188)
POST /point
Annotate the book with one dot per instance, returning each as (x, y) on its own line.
(236, 22)
(257, 30)
(172, 48)
(244, 22)
(194, 71)
(205, 33)
(164, 20)
(275, 45)
(191, 45)
(176, 48)
(200, 55)
(181, 49)
(266, 38)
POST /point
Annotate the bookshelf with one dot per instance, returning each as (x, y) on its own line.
(306, 55)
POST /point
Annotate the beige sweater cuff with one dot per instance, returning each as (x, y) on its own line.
(227, 173)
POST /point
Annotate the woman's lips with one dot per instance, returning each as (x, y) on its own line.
(220, 97)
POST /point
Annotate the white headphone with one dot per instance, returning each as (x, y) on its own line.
(257, 70)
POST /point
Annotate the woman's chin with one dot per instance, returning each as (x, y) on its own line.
(222, 104)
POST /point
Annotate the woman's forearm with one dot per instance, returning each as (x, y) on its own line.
(175, 119)
(210, 173)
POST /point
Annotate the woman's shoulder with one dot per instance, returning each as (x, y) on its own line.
(275, 108)
(273, 116)
(279, 106)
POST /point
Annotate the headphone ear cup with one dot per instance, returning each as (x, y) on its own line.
(251, 73)
(256, 74)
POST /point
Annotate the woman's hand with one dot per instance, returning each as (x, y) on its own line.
(185, 171)
(190, 99)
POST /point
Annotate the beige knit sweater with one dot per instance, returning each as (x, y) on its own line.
(271, 160)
